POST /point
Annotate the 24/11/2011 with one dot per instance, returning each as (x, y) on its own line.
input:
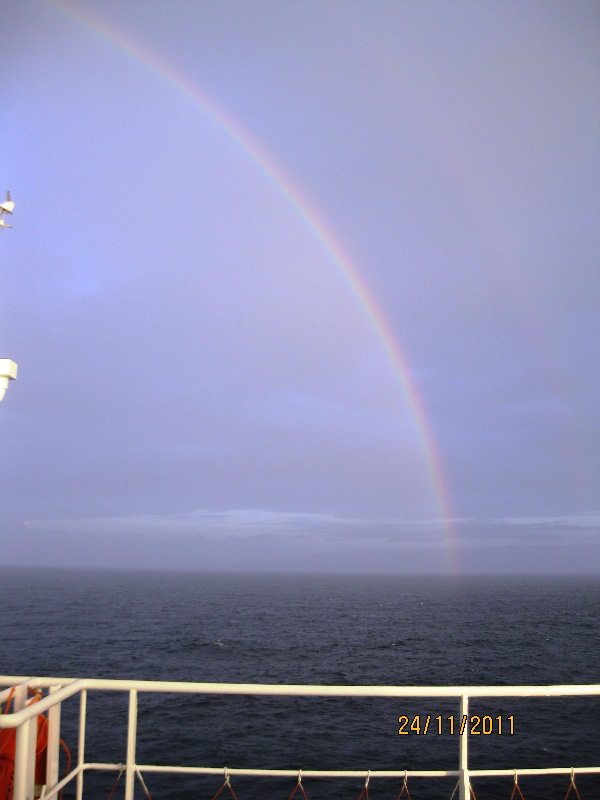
(475, 725)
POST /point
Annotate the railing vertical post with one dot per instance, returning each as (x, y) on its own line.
(20, 700)
(464, 786)
(26, 737)
(31, 750)
(22, 790)
(81, 742)
(53, 742)
(131, 737)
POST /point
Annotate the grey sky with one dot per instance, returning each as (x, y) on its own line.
(199, 383)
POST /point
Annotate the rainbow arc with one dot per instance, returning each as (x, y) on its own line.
(343, 262)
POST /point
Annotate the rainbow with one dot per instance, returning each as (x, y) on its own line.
(318, 227)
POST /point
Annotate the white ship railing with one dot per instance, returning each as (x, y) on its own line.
(23, 715)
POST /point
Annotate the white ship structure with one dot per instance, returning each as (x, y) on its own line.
(8, 368)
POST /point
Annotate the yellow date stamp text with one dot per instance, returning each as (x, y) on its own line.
(451, 725)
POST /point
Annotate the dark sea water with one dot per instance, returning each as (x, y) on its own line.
(318, 629)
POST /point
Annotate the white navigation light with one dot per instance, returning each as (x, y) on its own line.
(8, 372)
(6, 208)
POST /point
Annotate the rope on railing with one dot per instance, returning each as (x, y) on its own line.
(471, 790)
(299, 786)
(144, 787)
(365, 791)
(225, 784)
(116, 783)
(573, 786)
(516, 788)
(404, 789)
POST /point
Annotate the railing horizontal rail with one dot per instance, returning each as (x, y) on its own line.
(281, 773)
(18, 717)
(493, 773)
(281, 690)
(340, 773)
(26, 682)
(64, 781)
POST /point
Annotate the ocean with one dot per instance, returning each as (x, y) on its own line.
(315, 629)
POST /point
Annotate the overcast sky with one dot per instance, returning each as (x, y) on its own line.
(301, 285)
